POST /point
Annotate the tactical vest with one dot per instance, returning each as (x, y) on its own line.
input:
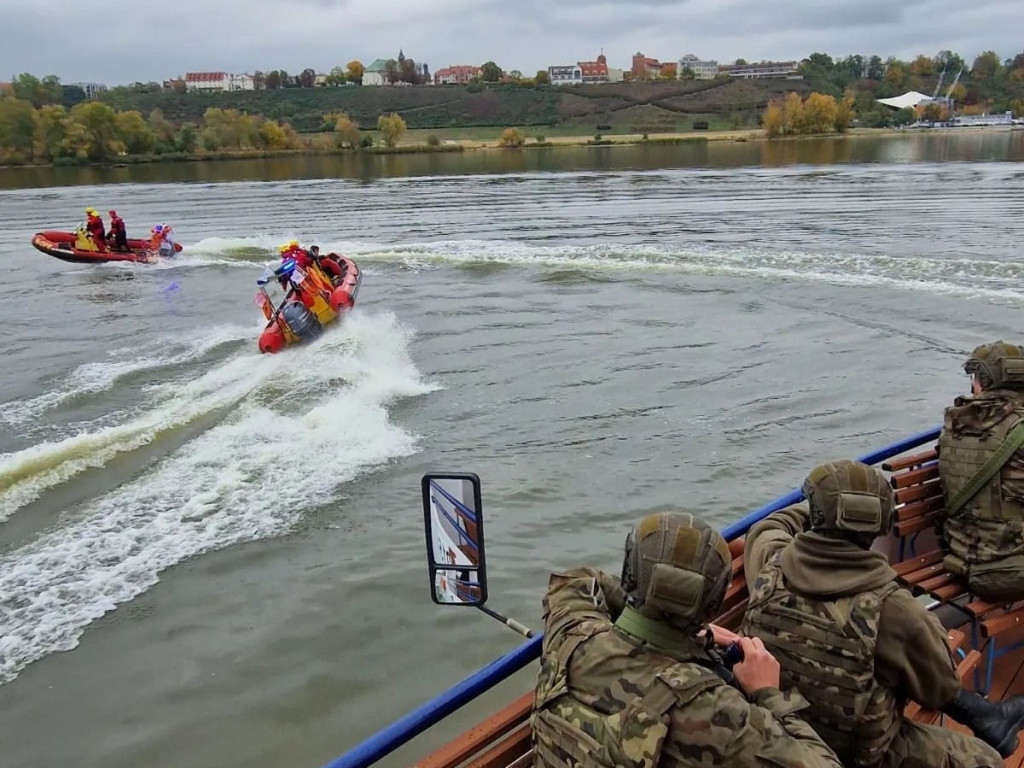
(827, 652)
(569, 734)
(960, 458)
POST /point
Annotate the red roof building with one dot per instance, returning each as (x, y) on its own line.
(457, 75)
(595, 71)
(645, 68)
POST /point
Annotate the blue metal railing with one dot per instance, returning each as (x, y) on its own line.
(402, 730)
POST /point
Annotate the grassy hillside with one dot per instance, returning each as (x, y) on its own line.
(637, 107)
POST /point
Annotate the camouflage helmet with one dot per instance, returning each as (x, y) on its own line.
(849, 499)
(998, 365)
(676, 568)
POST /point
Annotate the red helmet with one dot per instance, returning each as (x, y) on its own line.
(112, 213)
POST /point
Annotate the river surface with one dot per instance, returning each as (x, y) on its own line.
(214, 558)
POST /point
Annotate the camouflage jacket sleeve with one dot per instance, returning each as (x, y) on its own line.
(912, 655)
(769, 536)
(581, 594)
(722, 728)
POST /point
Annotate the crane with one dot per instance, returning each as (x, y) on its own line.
(938, 85)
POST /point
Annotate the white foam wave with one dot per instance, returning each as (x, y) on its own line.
(92, 378)
(317, 419)
(967, 277)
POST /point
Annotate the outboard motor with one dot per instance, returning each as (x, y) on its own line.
(301, 321)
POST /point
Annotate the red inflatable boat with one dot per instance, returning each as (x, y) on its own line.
(70, 246)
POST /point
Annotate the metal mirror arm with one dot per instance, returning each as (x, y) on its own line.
(512, 624)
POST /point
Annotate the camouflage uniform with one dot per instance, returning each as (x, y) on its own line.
(986, 536)
(857, 646)
(605, 699)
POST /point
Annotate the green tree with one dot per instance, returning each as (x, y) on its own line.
(272, 80)
(391, 127)
(187, 139)
(336, 76)
(542, 77)
(135, 133)
(490, 72)
(50, 131)
(99, 121)
(17, 130)
(905, 116)
(162, 130)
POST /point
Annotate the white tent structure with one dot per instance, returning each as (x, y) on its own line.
(908, 99)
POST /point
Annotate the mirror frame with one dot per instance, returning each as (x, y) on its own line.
(432, 565)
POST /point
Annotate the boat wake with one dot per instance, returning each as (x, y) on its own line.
(237, 481)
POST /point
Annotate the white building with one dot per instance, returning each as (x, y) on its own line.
(703, 70)
(765, 69)
(568, 74)
(92, 90)
(219, 81)
(614, 75)
(242, 82)
(375, 74)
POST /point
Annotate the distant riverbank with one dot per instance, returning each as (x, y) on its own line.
(415, 142)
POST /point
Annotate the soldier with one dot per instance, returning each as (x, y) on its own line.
(629, 676)
(981, 466)
(856, 644)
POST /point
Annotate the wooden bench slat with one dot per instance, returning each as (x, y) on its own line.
(894, 465)
(916, 563)
(949, 592)
(915, 578)
(907, 527)
(1001, 623)
(914, 476)
(918, 492)
(919, 508)
(939, 580)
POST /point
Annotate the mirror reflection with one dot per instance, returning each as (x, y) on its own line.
(454, 532)
(457, 586)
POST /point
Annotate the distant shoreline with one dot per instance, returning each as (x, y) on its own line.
(549, 142)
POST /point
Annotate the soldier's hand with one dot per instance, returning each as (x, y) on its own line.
(759, 669)
(721, 635)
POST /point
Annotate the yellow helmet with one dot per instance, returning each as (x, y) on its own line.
(91, 210)
(284, 248)
(293, 244)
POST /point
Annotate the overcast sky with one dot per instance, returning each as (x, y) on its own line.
(150, 40)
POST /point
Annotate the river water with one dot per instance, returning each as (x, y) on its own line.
(210, 557)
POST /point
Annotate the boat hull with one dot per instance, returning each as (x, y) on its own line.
(61, 245)
(321, 304)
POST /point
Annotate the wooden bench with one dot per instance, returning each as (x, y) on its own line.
(919, 503)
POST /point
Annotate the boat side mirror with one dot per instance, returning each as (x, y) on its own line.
(453, 519)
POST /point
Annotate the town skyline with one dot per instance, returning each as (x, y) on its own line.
(463, 32)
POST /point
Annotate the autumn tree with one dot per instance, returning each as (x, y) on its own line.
(354, 71)
(668, 72)
(391, 71)
(542, 77)
(792, 113)
(844, 114)
(511, 138)
(307, 79)
(490, 72)
(773, 120)
(162, 130)
(30, 88)
(932, 112)
(391, 128)
(272, 80)
(345, 130)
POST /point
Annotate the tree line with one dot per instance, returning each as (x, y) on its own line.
(988, 84)
(94, 132)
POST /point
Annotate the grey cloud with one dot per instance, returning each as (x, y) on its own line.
(146, 42)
